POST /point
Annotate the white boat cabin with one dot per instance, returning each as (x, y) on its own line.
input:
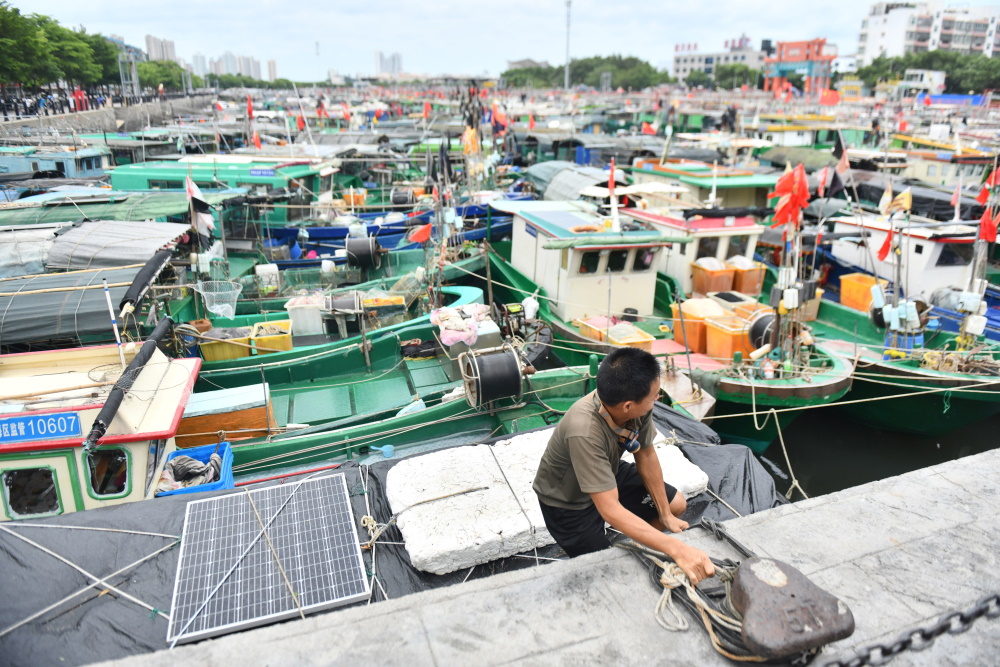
(934, 254)
(565, 248)
(721, 238)
(48, 403)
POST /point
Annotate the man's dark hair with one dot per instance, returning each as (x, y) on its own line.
(626, 374)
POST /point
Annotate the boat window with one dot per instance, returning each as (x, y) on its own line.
(108, 471)
(61, 167)
(617, 261)
(955, 254)
(590, 261)
(564, 260)
(945, 168)
(34, 166)
(918, 248)
(708, 247)
(643, 259)
(164, 185)
(932, 170)
(738, 245)
(30, 492)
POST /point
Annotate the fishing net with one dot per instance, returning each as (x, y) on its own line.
(111, 373)
(220, 296)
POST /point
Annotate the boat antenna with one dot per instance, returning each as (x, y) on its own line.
(303, 113)
(114, 322)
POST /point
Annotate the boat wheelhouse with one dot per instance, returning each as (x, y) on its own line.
(722, 186)
(24, 162)
(48, 404)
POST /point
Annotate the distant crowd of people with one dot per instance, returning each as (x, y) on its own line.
(61, 102)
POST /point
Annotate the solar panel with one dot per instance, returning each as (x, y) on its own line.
(228, 573)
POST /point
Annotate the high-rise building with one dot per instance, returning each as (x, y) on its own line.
(255, 69)
(897, 28)
(229, 63)
(160, 49)
(392, 64)
(198, 65)
(272, 70)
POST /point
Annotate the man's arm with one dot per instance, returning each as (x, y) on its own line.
(694, 562)
(648, 465)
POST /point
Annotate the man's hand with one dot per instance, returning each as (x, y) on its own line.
(672, 523)
(694, 562)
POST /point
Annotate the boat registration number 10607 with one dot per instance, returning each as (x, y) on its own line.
(40, 427)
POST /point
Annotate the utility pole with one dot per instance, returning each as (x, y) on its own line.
(566, 71)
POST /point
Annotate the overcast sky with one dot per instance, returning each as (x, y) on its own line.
(453, 36)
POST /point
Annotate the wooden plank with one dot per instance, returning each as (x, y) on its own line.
(255, 422)
(678, 387)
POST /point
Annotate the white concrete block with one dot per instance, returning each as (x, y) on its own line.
(488, 521)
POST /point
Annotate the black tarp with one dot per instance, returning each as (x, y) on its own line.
(94, 627)
(927, 201)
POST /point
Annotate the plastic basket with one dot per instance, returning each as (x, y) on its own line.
(268, 343)
(855, 290)
(204, 454)
(220, 296)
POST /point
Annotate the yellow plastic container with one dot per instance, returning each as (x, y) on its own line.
(705, 280)
(726, 335)
(356, 197)
(596, 330)
(855, 290)
(224, 351)
(637, 338)
(272, 342)
(748, 281)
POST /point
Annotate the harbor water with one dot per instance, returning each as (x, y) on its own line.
(829, 453)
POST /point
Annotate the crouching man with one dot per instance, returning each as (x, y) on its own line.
(582, 482)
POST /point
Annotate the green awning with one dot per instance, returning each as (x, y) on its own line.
(134, 206)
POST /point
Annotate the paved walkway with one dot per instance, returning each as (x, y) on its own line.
(900, 552)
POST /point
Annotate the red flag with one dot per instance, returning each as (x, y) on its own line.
(956, 196)
(993, 179)
(421, 234)
(824, 174)
(347, 112)
(321, 110)
(988, 227)
(249, 107)
(218, 106)
(829, 98)
(531, 122)
(256, 140)
(983, 196)
(927, 100)
(192, 190)
(884, 250)
(427, 109)
(301, 123)
(647, 128)
(611, 179)
(903, 126)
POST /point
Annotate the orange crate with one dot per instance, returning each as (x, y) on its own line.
(704, 280)
(726, 335)
(749, 281)
(747, 310)
(691, 334)
(855, 290)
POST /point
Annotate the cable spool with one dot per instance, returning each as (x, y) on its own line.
(365, 253)
(491, 374)
(402, 197)
(760, 328)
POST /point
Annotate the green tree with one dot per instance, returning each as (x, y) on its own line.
(155, 72)
(105, 57)
(71, 51)
(698, 78)
(735, 75)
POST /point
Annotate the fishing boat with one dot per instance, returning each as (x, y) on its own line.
(88, 427)
(589, 280)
